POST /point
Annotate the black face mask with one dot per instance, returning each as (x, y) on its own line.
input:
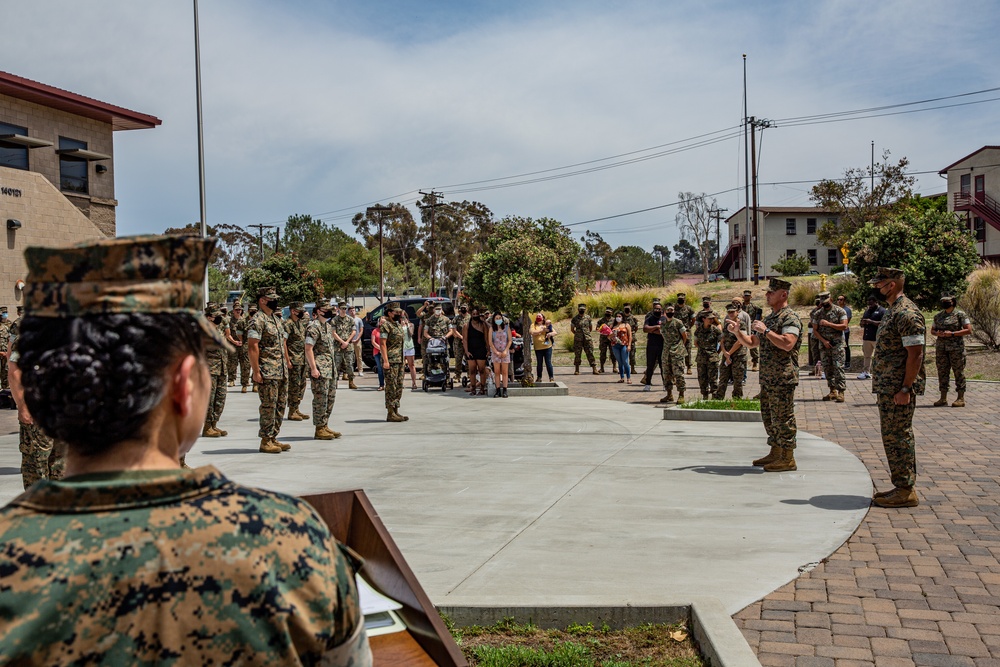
(272, 304)
(581, 310)
(628, 311)
(657, 313)
(946, 304)
(397, 317)
(462, 310)
(874, 293)
(670, 316)
(217, 319)
(827, 305)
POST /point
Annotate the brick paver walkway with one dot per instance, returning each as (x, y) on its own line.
(917, 586)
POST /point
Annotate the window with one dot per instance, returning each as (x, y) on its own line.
(790, 226)
(810, 225)
(790, 252)
(979, 228)
(73, 170)
(966, 184)
(831, 256)
(13, 155)
(812, 256)
(736, 230)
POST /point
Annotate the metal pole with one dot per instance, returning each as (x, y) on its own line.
(381, 259)
(201, 134)
(746, 171)
(753, 167)
(873, 166)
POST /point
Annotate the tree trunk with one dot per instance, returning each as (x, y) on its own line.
(527, 380)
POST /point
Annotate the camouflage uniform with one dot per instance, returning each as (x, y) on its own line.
(582, 340)
(814, 344)
(343, 360)
(239, 332)
(458, 347)
(779, 375)
(685, 314)
(707, 340)
(41, 456)
(173, 567)
(672, 358)
(324, 388)
(737, 367)
(833, 356)
(755, 313)
(4, 341)
(392, 336)
(269, 333)
(217, 370)
(605, 344)
(902, 326)
(295, 337)
(949, 352)
(232, 356)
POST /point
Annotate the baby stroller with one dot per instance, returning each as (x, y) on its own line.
(436, 365)
(517, 357)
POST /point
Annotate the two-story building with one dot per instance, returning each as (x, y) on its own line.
(783, 231)
(974, 189)
(56, 171)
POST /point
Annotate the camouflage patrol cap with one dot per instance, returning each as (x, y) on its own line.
(267, 293)
(393, 305)
(212, 309)
(253, 308)
(669, 309)
(747, 292)
(710, 315)
(237, 306)
(296, 305)
(776, 284)
(732, 308)
(137, 274)
(681, 295)
(887, 273)
(706, 299)
(342, 304)
(823, 295)
(3, 309)
(656, 301)
(20, 309)
(607, 310)
(581, 305)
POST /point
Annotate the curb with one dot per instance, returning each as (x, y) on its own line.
(540, 389)
(687, 414)
(721, 643)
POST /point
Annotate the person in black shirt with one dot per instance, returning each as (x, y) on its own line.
(654, 343)
(869, 325)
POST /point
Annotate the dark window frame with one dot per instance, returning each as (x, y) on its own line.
(810, 225)
(811, 252)
(791, 227)
(74, 172)
(13, 156)
(831, 257)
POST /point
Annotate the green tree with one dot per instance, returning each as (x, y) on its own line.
(688, 259)
(631, 265)
(312, 239)
(460, 230)
(293, 281)
(526, 266)
(400, 236)
(595, 259)
(793, 265)
(933, 248)
(235, 251)
(696, 224)
(667, 271)
(353, 267)
(856, 203)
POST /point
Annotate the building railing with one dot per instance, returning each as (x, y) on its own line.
(967, 200)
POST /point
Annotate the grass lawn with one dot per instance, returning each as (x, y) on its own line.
(743, 404)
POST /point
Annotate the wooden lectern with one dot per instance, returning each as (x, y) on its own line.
(353, 521)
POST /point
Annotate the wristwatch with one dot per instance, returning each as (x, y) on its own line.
(767, 330)
(905, 389)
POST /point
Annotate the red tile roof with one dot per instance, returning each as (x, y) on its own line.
(120, 118)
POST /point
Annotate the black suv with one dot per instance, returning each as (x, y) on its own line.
(411, 305)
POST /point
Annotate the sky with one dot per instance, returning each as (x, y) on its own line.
(323, 107)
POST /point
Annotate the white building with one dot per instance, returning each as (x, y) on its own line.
(974, 189)
(783, 231)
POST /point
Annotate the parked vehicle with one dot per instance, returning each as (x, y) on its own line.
(411, 305)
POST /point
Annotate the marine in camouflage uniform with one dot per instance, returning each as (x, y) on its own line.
(41, 456)
(604, 343)
(707, 338)
(736, 368)
(295, 341)
(4, 342)
(319, 355)
(832, 357)
(950, 327)
(436, 326)
(901, 330)
(583, 340)
(272, 364)
(235, 339)
(238, 329)
(458, 347)
(217, 371)
(755, 313)
(343, 357)
(675, 336)
(392, 360)
(252, 311)
(685, 314)
(814, 344)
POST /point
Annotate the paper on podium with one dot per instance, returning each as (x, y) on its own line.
(373, 602)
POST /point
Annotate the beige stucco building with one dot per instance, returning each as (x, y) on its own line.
(56, 171)
(974, 189)
(783, 231)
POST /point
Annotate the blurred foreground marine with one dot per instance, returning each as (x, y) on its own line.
(130, 559)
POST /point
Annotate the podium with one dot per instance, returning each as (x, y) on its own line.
(426, 641)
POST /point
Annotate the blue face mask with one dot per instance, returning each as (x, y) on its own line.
(498, 320)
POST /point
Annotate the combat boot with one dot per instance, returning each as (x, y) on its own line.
(680, 397)
(705, 397)
(960, 401)
(943, 401)
(268, 446)
(602, 369)
(898, 497)
(294, 416)
(669, 398)
(244, 390)
(330, 431)
(754, 367)
(594, 368)
(577, 372)
(394, 416)
(839, 397)
(220, 431)
(256, 389)
(284, 446)
(784, 463)
(831, 396)
(322, 434)
(209, 432)
(771, 456)
(351, 385)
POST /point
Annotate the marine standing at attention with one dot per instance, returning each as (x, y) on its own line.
(216, 358)
(734, 355)
(685, 314)
(319, 356)
(755, 313)
(295, 340)
(458, 342)
(4, 342)
(831, 322)
(391, 355)
(270, 364)
(675, 338)
(951, 326)
(779, 336)
(343, 352)
(581, 328)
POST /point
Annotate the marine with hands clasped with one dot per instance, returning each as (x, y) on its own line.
(779, 336)
(461, 320)
(755, 313)
(950, 327)
(343, 338)
(295, 341)
(675, 338)
(216, 358)
(581, 328)
(831, 322)
(733, 365)
(319, 357)
(270, 364)
(391, 329)
(707, 337)
(685, 314)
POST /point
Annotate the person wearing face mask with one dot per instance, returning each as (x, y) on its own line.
(707, 339)
(4, 342)
(755, 313)
(951, 326)
(831, 323)
(733, 364)
(604, 343)
(869, 327)
(675, 336)
(842, 302)
(621, 339)
(269, 363)
(898, 378)
(629, 318)
(581, 328)
(295, 341)
(814, 347)
(343, 336)
(391, 346)
(654, 343)
(436, 326)
(319, 355)
(476, 351)
(685, 314)
(500, 342)
(458, 338)
(217, 370)
(542, 344)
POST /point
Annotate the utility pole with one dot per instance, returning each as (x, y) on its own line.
(753, 163)
(717, 214)
(432, 206)
(873, 166)
(379, 210)
(277, 240)
(201, 134)
(746, 173)
(260, 237)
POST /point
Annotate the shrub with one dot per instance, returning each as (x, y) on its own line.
(795, 265)
(803, 292)
(566, 341)
(981, 303)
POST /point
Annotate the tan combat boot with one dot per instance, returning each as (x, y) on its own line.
(772, 455)
(754, 367)
(209, 432)
(577, 372)
(943, 401)
(839, 397)
(302, 416)
(335, 434)
(244, 390)
(898, 497)
(960, 401)
(294, 416)
(594, 368)
(284, 446)
(393, 416)
(669, 398)
(680, 397)
(220, 431)
(268, 446)
(351, 385)
(785, 463)
(832, 395)
(322, 434)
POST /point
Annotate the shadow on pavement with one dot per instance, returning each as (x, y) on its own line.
(835, 502)
(227, 451)
(724, 471)
(10, 471)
